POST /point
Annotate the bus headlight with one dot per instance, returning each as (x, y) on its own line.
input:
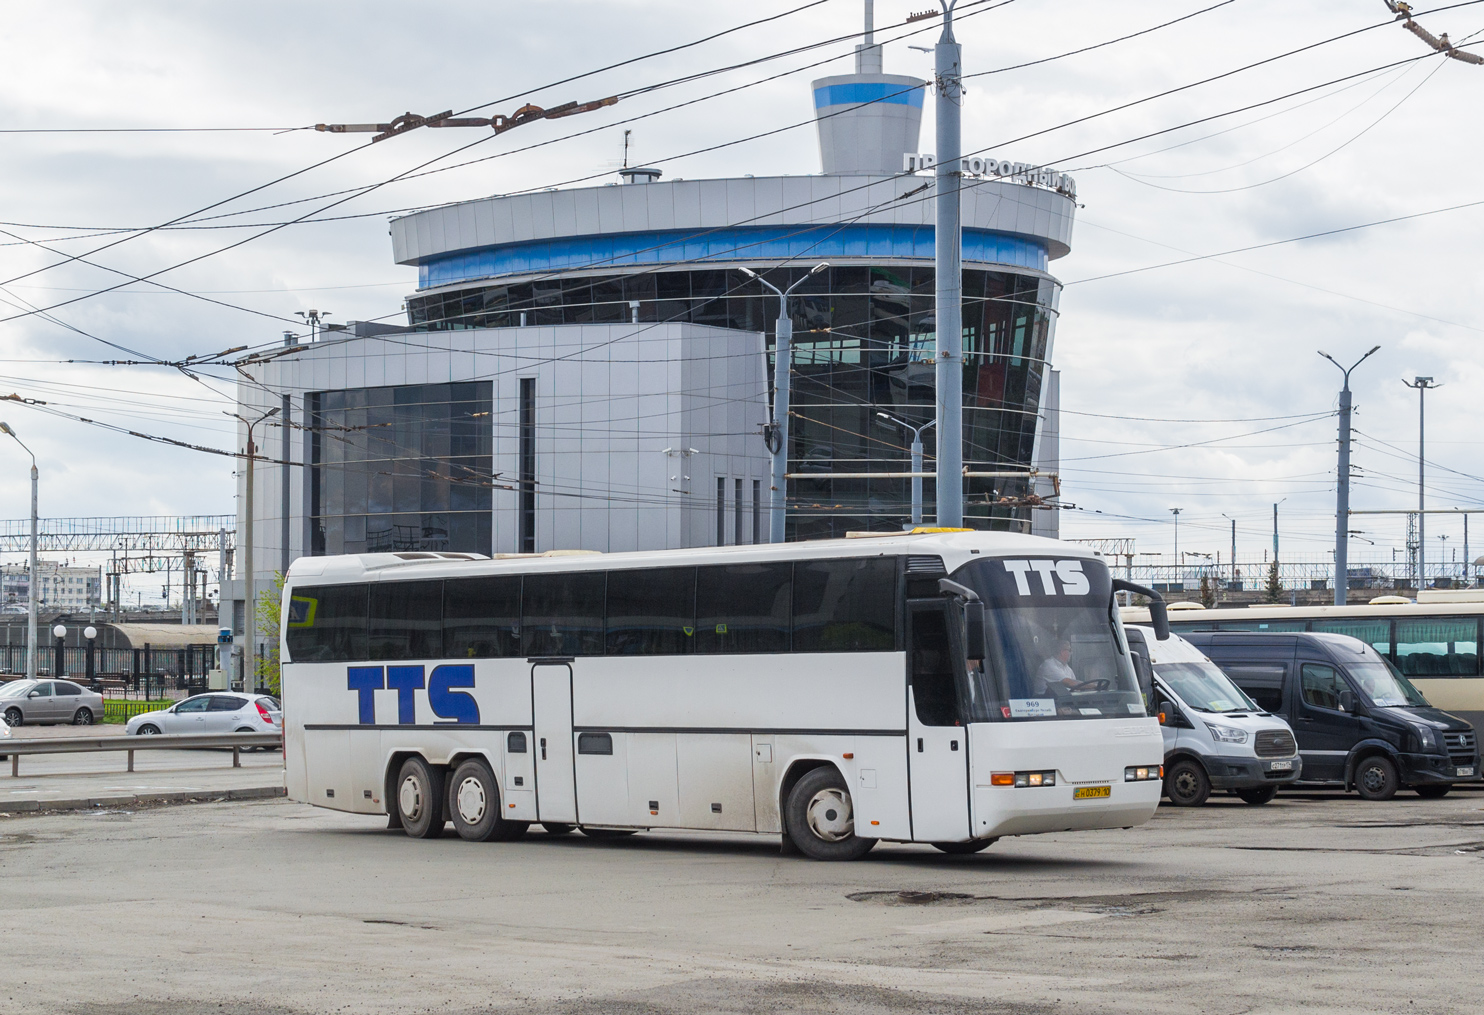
(1022, 779)
(1141, 773)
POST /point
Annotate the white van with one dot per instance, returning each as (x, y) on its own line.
(1215, 736)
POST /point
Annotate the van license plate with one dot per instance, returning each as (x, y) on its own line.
(1464, 773)
(1091, 792)
(1280, 766)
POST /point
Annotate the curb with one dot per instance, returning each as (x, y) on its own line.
(8, 808)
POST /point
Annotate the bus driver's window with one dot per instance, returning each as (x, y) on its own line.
(933, 683)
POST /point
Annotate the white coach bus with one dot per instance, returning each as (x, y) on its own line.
(947, 687)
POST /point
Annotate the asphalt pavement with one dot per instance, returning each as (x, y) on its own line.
(1317, 903)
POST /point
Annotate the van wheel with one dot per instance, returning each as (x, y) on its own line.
(1375, 778)
(1186, 784)
(420, 799)
(972, 846)
(474, 802)
(821, 817)
(557, 828)
(1432, 792)
(1258, 794)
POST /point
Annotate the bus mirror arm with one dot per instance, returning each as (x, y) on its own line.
(973, 608)
(1159, 618)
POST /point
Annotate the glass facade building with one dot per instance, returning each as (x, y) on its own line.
(400, 468)
(863, 342)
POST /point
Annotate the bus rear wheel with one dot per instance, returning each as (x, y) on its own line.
(821, 817)
(420, 799)
(474, 803)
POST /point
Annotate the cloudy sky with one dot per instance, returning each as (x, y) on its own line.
(1195, 385)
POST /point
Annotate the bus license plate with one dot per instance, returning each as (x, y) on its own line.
(1464, 773)
(1280, 766)
(1091, 792)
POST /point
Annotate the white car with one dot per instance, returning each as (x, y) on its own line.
(4, 735)
(218, 712)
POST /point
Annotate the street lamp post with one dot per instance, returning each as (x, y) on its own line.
(31, 644)
(1421, 384)
(1234, 545)
(249, 606)
(778, 427)
(60, 668)
(916, 432)
(90, 633)
(1342, 488)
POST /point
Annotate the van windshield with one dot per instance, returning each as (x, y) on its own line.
(1203, 687)
(1378, 687)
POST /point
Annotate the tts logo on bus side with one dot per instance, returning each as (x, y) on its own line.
(1069, 572)
(450, 706)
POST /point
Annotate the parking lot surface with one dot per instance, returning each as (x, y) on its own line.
(1316, 903)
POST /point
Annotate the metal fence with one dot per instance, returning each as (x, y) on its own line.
(177, 668)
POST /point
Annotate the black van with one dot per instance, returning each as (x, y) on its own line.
(1360, 724)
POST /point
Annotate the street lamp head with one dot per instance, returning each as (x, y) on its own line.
(90, 633)
(821, 266)
(747, 271)
(60, 631)
(5, 428)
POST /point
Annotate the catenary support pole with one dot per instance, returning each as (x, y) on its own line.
(948, 276)
(1342, 486)
(1421, 384)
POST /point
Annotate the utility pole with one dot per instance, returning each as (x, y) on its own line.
(31, 646)
(249, 604)
(948, 276)
(1179, 577)
(775, 433)
(1234, 545)
(1421, 385)
(1275, 529)
(1342, 488)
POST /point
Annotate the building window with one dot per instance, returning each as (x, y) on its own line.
(401, 468)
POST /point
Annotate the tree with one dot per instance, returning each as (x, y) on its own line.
(1274, 592)
(268, 612)
(1208, 591)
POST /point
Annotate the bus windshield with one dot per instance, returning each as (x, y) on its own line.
(1054, 649)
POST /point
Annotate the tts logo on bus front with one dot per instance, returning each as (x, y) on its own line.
(449, 705)
(1068, 572)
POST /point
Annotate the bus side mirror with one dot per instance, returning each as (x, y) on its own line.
(1159, 619)
(974, 632)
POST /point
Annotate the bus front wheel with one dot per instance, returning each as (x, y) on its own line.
(821, 817)
(420, 799)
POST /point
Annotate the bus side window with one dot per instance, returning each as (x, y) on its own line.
(481, 617)
(934, 687)
(405, 620)
(652, 612)
(562, 614)
(336, 629)
(743, 608)
(845, 605)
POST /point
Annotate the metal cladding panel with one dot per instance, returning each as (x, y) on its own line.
(712, 195)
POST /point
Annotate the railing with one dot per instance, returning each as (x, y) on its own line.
(163, 742)
(118, 710)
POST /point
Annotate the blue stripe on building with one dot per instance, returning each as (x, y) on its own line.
(857, 92)
(771, 243)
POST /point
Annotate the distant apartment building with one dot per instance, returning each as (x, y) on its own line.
(61, 588)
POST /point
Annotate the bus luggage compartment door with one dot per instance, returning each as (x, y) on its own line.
(551, 703)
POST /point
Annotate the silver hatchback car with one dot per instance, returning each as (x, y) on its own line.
(217, 712)
(49, 701)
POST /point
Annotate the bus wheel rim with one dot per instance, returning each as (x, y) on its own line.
(410, 798)
(471, 800)
(829, 815)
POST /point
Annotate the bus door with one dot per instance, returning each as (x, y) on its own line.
(551, 705)
(937, 742)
